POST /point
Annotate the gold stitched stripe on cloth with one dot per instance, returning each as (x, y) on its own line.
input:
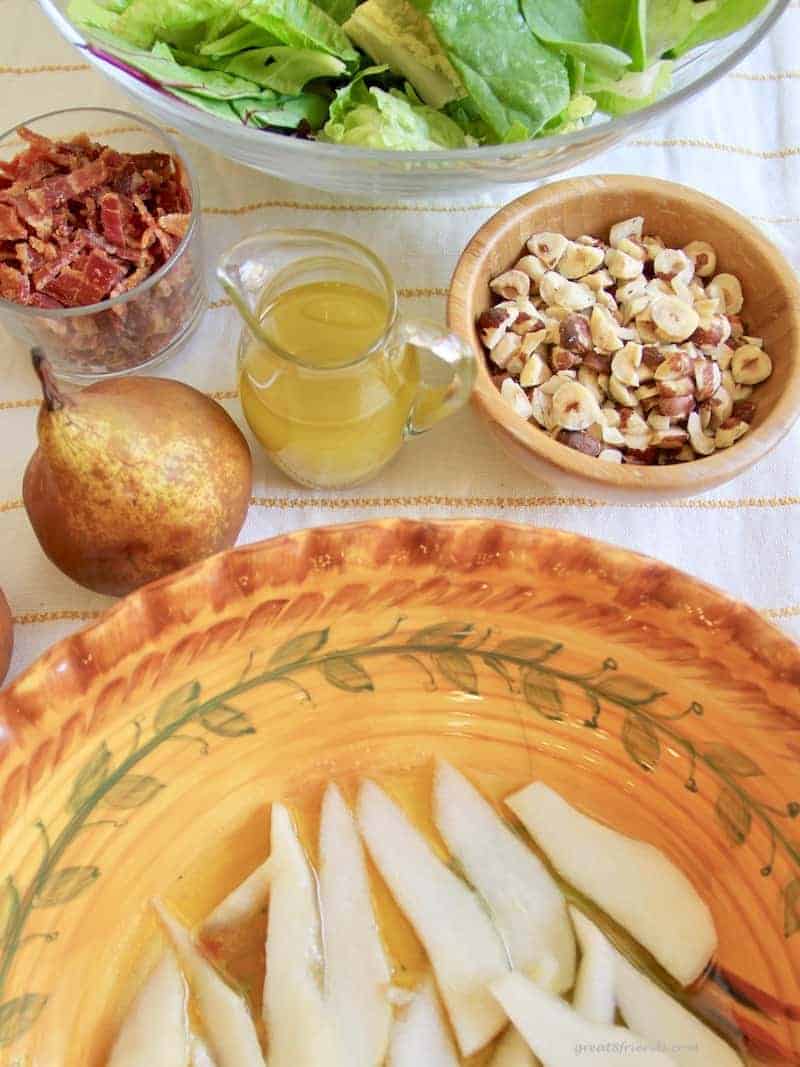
(718, 146)
(769, 76)
(34, 402)
(299, 205)
(28, 618)
(782, 613)
(501, 503)
(47, 68)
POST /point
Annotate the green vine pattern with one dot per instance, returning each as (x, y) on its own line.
(452, 652)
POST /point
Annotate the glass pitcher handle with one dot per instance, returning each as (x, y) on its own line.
(436, 402)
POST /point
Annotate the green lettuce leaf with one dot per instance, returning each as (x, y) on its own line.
(633, 91)
(90, 15)
(273, 109)
(395, 33)
(723, 17)
(580, 108)
(668, 22)
(183, 23)
(339, 10)
(563, 24)
(247, 36)
(286, 70)
(372, 118)
(300, 24)
(621, 24)
(515, 82)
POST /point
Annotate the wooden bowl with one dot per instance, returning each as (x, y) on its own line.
(139, 757)
(679, 215)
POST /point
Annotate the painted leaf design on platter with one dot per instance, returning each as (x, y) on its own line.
(132, 791)
(9, 906)
(542, 692)
(17, 1016)
(65, 885)
(174, 707)
(442, 633)
(641, 741)
(628, 689)
(227, 721)
(299, 648)
(791, 914)
(534, 649)
(457, 668)
(90, 777)
(733, 815)
(345, 672)
(730, 760)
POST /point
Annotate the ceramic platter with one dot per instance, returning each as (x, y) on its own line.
(139, 757)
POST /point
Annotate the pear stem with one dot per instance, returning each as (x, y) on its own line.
(53, 397)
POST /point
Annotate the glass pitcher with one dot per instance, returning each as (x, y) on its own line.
(332, 380)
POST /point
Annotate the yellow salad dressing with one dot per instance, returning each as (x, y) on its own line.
(330, 415)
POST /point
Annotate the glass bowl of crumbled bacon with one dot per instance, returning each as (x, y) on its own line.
(100, 243)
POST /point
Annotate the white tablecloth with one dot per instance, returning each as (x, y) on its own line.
(739, 142)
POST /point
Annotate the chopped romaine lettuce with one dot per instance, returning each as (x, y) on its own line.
(286, 70)
(476, 71)
(563, 24)
(247, 36)
(623, 24)
(713, 19)
(514, 81)
(300, 24)
(634, 91)
(183, 23)
(372, 118)
(395, 33)
(339, 10)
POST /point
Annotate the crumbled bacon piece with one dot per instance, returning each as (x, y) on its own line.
(10, 224)
(81, 222)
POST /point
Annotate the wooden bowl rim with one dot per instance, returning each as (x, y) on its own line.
(174, 603)
(695, 477)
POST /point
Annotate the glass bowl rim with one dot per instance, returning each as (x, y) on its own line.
(153, 279)
(483, 154)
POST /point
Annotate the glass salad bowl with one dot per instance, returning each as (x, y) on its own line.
(423, 174)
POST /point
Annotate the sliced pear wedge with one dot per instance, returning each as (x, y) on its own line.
(300, 1027)
(242, 902)
(632, 881)
(559, 1036)
(228, 1025)
(420, 1037)
(593, 997)
(200, 1053)
(527, 906)
(357, 972)
(512, 1051)
(156, 1029)
(463, 946)
(658, 1017)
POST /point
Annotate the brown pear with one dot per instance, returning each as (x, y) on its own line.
(133, 479)
(6, 636)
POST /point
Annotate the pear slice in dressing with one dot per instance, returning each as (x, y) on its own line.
(593, 996)
(659, 1017)
(464, 948)
(526, 905)
(357, 972)
(301, 1029)
(156, 1029)
(631, 880)
(228, 1025)
(559, 1036)
(420, 1037)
